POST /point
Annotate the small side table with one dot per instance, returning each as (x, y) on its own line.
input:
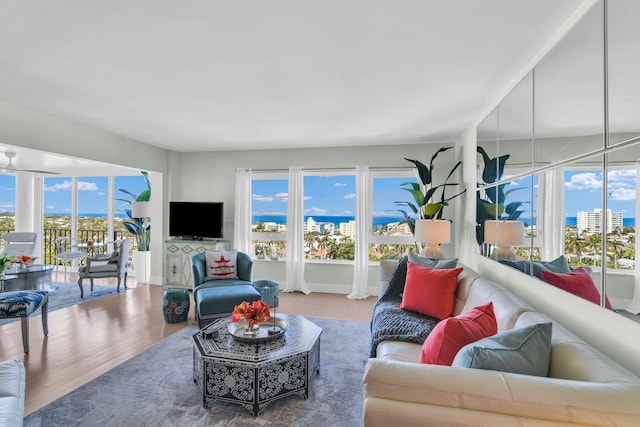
(268, 291)
(175, 305)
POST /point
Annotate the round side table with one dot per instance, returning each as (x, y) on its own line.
(175, 305)
(268, 291)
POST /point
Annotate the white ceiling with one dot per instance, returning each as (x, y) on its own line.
(201, 75)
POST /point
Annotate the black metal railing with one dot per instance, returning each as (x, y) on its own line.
(51, 234)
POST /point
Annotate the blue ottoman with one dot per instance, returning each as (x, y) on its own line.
(212, 303)
(175, 305)
(268, 290)
(22, 304)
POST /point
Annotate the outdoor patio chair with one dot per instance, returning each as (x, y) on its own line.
(65, 253)
(20, 243)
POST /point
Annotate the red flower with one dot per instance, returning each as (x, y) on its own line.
(255, 312)
(24, 259)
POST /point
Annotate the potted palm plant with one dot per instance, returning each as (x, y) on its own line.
(426, 203)
(139, 228)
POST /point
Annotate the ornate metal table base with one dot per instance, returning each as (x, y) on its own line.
(255, 374)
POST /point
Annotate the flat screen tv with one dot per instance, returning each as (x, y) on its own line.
(196, 220)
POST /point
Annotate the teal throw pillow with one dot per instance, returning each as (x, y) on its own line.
(558, 265)
(438, 264)
(520, 351)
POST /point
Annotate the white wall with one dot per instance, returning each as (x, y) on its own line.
(30, 129)
(214, 175)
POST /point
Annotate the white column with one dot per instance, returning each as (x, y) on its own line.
(24, 201)
(74, 207)
(110, 207)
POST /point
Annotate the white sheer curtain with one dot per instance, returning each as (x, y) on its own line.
(363, 230)
(551, 219)
(242, 218)
(295, 233)
(634, 306)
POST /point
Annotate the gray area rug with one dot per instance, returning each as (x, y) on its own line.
(68, 294)
(156, 388)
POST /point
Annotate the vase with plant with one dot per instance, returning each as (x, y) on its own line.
(491, 202)
(429, 199)
(253, 314)
(139, 227)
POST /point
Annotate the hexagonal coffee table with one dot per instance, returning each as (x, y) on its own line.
(254, 374)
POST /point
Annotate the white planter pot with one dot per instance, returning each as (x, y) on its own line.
(142, 266)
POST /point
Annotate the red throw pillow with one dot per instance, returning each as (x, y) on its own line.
(429, 291)
(450, 335)
(578, 282)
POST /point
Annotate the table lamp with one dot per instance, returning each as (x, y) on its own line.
(503, 234)
(432, 232)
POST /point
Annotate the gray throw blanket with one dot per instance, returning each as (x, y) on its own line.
(390, 322)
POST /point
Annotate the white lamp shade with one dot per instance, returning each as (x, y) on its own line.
(433, 231)
(140, 209)
(504, 233)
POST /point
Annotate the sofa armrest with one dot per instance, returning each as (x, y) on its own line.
(12, 393)
(550, 399)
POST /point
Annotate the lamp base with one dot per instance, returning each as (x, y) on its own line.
(503, 253)
(432, 251)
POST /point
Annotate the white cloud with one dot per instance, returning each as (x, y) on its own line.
(87, 186)
(51, 207)
(66, 186)
(623, 194)
(622, 175)
(282, 196)
(262, 198)
(350, 196)
(315, 211)
(347, 213)
(339, 184)
(307, 198)
(584, 181)
(61, 186)
(6, 206)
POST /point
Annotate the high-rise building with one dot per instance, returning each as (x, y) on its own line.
(590, 222)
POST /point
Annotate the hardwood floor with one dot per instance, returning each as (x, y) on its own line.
(89, 339)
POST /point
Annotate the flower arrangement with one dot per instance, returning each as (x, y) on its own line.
(24, 259)
(254, 313)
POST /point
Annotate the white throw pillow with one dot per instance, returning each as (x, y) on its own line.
(221, 265)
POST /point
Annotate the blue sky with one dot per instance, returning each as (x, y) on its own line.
(328, 196)
(583, 191)
(92, 193)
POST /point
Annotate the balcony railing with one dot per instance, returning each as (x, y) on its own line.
(50, 235)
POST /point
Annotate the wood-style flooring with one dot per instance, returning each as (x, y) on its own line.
(89, 339)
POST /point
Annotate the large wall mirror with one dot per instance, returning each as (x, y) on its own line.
(571, 131)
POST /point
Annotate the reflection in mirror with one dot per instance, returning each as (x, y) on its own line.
(622, 288)
(569, 93)
(623, 87)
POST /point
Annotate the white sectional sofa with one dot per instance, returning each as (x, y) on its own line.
(12, 388)
(584, 387)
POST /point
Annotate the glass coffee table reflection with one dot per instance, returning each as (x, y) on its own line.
(36, 277)
(254, 374)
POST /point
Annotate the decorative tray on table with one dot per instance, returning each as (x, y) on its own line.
(237, 330)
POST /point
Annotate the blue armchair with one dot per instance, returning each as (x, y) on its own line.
(217, 298)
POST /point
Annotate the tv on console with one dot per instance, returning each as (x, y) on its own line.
(196, 220)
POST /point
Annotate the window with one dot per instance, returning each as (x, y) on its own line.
(583, 238)
(329, 216)
(391, 236)
(269, 216)
(92, 208)
(7, 203)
